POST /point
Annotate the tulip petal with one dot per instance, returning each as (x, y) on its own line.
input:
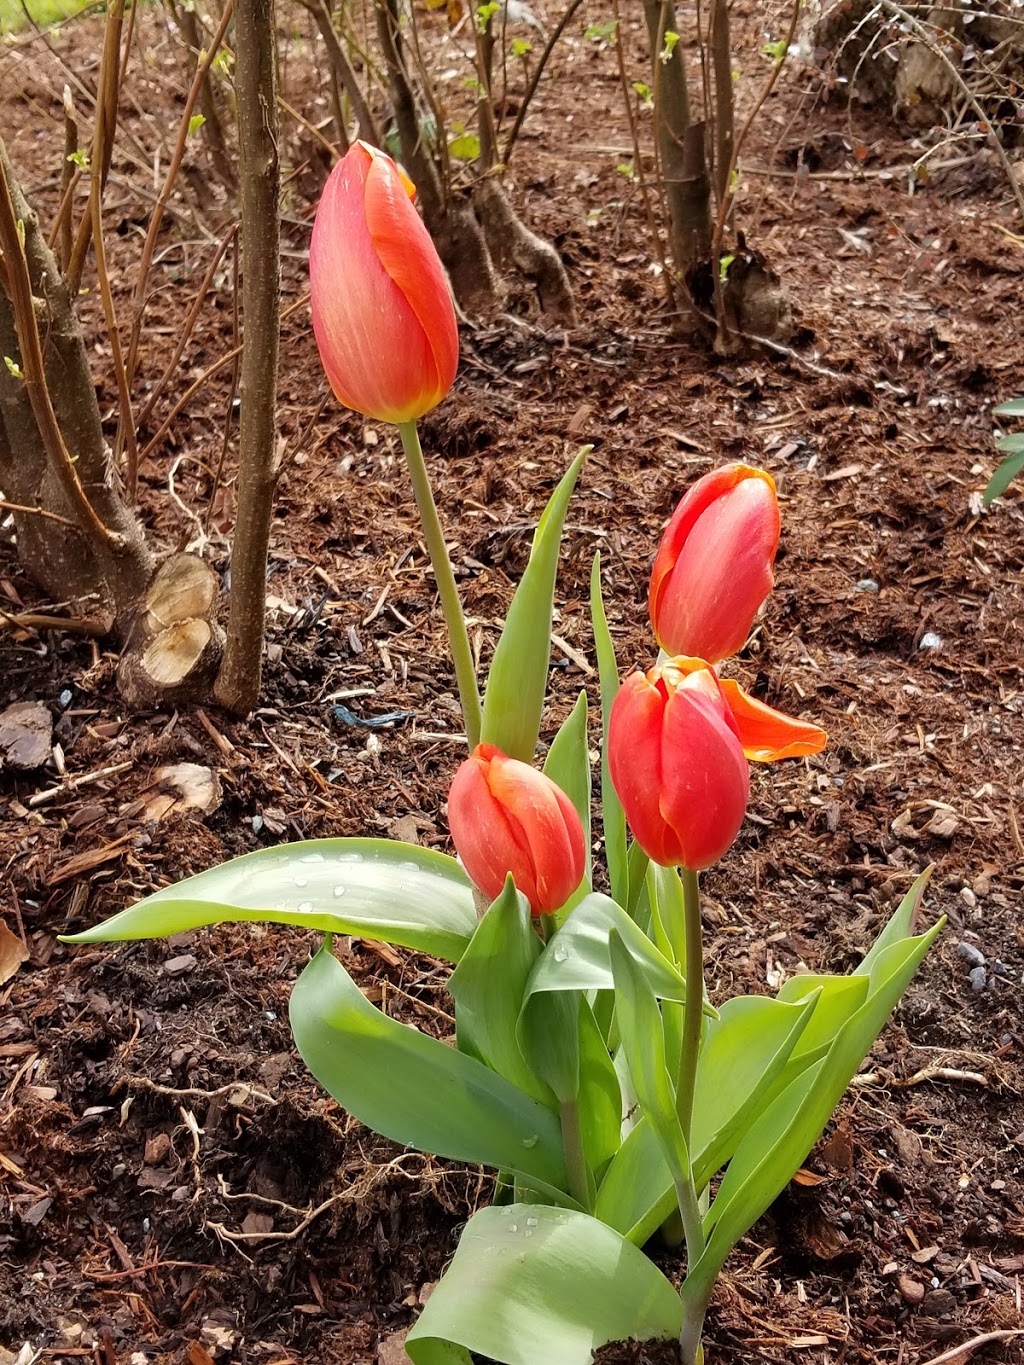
(714, 564)
(541, 825)
(634, 762)
(408, 255)
(373, 347)
(768, 735)
(489, 844)
(705, 780)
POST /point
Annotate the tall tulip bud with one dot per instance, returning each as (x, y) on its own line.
(714, 565)
(507, 817)
(677, 763)
(382, 310)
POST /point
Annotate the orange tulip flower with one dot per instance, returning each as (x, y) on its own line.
(382, 309)
(713, 568)
(504, 817)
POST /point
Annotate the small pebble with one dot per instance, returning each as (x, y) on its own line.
(979, 978)
(968, 897)
(974, 957)
(866, 585)
(929, 640)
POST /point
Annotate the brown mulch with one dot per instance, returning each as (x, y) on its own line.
(175, 1185)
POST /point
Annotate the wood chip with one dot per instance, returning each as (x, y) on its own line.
(26, 736)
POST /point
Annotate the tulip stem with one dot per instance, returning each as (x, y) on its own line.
(575, 1160)
(693, 1018)
(455, 621)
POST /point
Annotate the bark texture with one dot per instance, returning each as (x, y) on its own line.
(238, 683)
(69, 562)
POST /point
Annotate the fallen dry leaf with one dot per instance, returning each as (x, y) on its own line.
(12, 953)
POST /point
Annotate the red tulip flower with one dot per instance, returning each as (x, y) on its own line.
(507, 817)
(677, 763)
(382, 310)
(714, 565)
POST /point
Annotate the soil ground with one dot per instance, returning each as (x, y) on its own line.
(176, 1187)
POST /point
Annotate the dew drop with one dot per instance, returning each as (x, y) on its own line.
(409, 867)
(561, 952)
(301, 881)
(529, 1232)
(531, 1141)
(349, 858)
(531, 1222)
(312, 858)
(339, 890)
(306, 907)
(513, 1227)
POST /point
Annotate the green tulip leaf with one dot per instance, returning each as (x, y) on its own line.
(1013, 407)
(745, 1050)
(637, 1195)
(773, 1148)
(518, 678)
(900, 925)
(1005, 472)
(612, 813)
(416, 1090)
(371, 888)
(577, 957)
(568, 766)
(488, 987)
(531, 1284)
(600, 1098)
(838, 997)
(643, 1043)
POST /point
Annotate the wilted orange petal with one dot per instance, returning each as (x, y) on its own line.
(768, 735)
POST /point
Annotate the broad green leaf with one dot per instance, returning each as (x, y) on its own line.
(371, 888)
(416, 1090)
(643, 1042)
(744, 1052)
(637, 1195)
(838, 998)
(518, 678)
(600, 1098)
(577, 957)
(900, 925)
(774, 1147)
(611, 807)
(1013, 408)
(668, 901)
(488, 987)
(1003, 477)
(568, 765)
(1012, 444)
(531, 1284)
(548, 1036)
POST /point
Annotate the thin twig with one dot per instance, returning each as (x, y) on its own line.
(958, 1355)
(70, 625)
(177, 156)
(241, 1090)
(187, 327)
(6, 506)
(899, 12)
(207, 374)
(531, 89)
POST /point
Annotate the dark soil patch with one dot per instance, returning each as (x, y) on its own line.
(174, 1182)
